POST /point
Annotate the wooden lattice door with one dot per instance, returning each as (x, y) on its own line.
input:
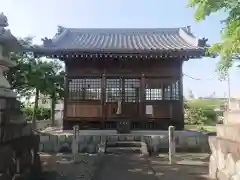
(131, 98)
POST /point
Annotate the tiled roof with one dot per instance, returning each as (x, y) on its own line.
(137, 39)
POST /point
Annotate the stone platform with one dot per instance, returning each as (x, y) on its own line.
(89, 140)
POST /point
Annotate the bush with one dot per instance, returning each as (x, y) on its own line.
(41, 114)
(195, 116)
(207, 108)
(210, 114)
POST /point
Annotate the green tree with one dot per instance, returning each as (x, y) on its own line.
(33, 76)
(229, 47)
(39, 77)
(55, 86)
(16, 76)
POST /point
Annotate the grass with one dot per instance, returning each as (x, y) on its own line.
(206, 103)
(201, 127)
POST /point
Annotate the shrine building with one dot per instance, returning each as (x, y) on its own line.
(123, 75)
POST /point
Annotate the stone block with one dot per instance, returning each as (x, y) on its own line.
(146, 139)
(226, 146)
(137, 138)
(48, 147)
(222, 175)
(212, 141)
(53, 138)
(130, 138)
(96, 139)
(81, 139)
(229, 131)
(69, 138)
(122, 137)
(192, 141)
(213, 167)
(113, 138)
(61, 138)
(221, 159)
(235, 176)
(103, 139)
(40, 147)
(88, 138)
(230, 165)
(82, 147)
(65, 147)
(232, 117)
(44, 139)
(92, 148)
(155, 140)
(237, 167)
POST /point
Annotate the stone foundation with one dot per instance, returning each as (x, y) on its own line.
(225, 147)
(156, 141)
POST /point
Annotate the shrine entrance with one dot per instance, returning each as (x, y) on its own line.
(122, 97)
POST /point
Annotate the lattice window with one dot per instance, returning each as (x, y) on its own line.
(132, 90)
(113, 90)
(167, 92)
(176, 90)
(153, 89)
(85, 89)
(162, 89)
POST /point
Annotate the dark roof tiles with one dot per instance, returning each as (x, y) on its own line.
(137, 39)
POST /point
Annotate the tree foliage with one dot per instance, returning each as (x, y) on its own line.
(33, 76)
(194, 116)
(41, 113)
(229, 47)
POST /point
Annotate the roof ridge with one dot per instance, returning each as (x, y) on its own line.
(125, 29)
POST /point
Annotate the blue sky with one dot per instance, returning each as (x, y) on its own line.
(41, 18)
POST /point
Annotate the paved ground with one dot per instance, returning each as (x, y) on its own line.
(131, 167)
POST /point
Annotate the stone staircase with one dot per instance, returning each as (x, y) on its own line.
(126, 147)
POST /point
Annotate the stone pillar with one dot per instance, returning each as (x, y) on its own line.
(225, 148)
(172, 146)
(75, 142)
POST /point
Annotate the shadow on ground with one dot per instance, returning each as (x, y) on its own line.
(187, 167)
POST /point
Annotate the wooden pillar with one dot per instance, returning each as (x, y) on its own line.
(142, 98)
(103, 98)
(181, 119)
(65, 101)
(122, 81)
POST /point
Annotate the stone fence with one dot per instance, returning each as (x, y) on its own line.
(186, 141)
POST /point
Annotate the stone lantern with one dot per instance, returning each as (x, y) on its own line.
(9, 106)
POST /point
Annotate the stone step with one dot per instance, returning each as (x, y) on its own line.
(124, 150)
(127, 147)
(229, 131)
(125, 144)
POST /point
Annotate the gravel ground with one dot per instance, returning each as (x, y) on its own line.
(126, 167)
(82, 170)
(188, 166)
